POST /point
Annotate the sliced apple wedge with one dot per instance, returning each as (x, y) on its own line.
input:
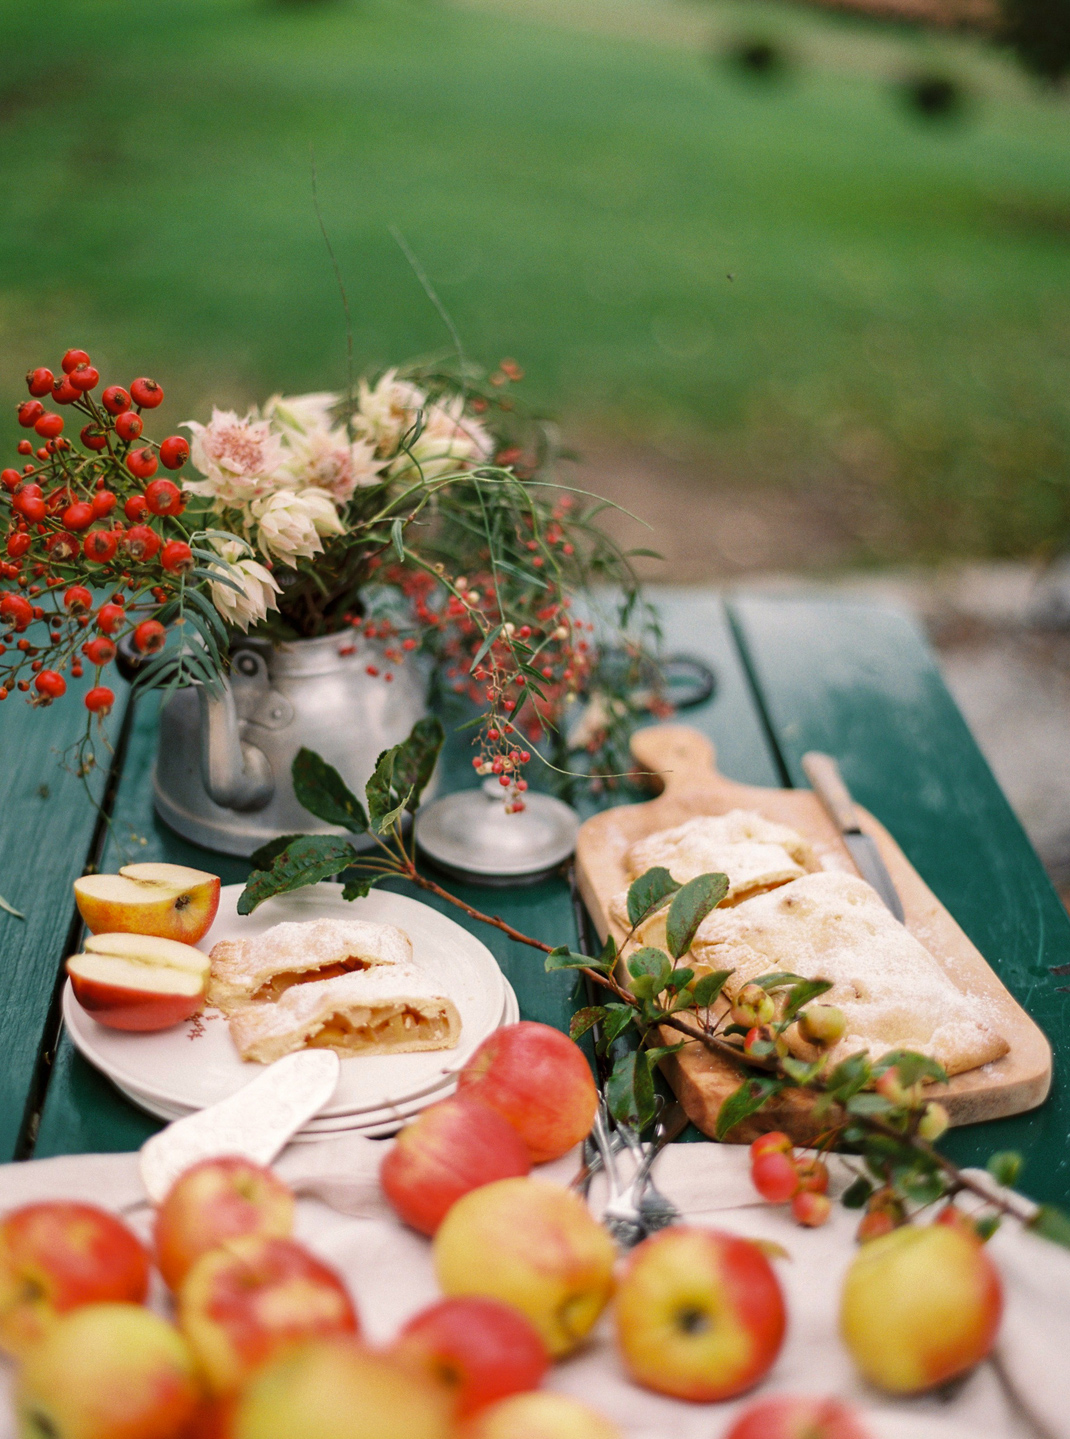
(138, 981)
(164, 899)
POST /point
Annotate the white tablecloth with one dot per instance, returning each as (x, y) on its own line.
(1024, 1393)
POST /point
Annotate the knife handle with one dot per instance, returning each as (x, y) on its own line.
(824, 775)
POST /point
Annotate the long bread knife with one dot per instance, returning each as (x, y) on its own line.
(824, 775)
(256, 1122)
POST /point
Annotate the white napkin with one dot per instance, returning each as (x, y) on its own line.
(1023, 1394)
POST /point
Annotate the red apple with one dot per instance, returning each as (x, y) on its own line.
(537, 1079)
(217, 1200)
(478, 1350)
(337, 1388)
(108, 1371)
(251, 1299)
(138, 981)
(699, 1314)
(789, 1417)
(57, 1256)
(449, 1149)
(165, 899)
(544, 1415)
(919, 1306)
(535, 1246)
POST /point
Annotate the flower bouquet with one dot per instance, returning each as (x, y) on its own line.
(421, 509)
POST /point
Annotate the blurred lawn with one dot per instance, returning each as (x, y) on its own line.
(899, 316)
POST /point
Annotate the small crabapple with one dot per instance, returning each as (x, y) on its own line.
(822, 1024)
(954, 1218)
(753, 1006)
(99, 651)
(813, 1176)
(775, 1142)
(934, 1121)
(811, 1210)
(104, 501)
(775, 1177)
(94, 438)
(890, 1087)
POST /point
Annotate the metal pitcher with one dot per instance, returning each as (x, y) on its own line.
(222, 776)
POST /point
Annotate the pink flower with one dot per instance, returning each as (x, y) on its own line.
(238, 457)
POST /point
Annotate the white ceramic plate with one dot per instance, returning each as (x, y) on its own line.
(375, 1124)
(195, 1064)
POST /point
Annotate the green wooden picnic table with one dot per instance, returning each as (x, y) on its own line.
(855, 680)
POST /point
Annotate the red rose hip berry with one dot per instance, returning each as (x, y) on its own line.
(84, 377)
(100, 546)
(72, 359)
(176, 557)
(11, 479)
(64, 393)
(109, 618)
(78, 516)
(104, 501)
(78, 600)
(99, 701)
(142, 463)
(18, 544)
(50, 685)
(39, 382)
(146, 393)
(99, 651)
(150, 637)
(49, 425)
(141, 543)
(128, 426)
(30, 411)
(136, 509)
(114, 399)
(174, 452)
(163, 497)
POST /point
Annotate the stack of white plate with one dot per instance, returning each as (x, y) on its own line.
(178, 1071)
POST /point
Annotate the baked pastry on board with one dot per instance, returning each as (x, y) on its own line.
(753, 852)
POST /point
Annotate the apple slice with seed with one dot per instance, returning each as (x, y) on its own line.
(169, 900)
(138, 981)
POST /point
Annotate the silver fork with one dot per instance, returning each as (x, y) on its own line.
(642, 1209)
(621, 1215)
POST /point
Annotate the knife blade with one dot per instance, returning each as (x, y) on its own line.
(256, 1122)
(824, 775)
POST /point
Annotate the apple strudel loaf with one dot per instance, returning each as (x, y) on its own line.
(265, 967)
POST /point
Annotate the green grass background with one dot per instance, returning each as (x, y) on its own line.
(899, 318)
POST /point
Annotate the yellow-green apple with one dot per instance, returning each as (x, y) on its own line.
(253, 1298)
(477, 1350)
(449, 1149)
(337, 1389)
(108, 1371)
(58, 1256)
(533, 1245)
(217, 1200)
(699, 1314)
(537, 1079)
(920, 1306)
(792, 1417)
(165, 899)
(544, 1415)
(822, 1024)
(138, 981)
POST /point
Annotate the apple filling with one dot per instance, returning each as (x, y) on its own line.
(363, 1029)
(278, 984)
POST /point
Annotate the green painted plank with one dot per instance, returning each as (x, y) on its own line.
(46, 832)
(84, 1113)
(861, 683)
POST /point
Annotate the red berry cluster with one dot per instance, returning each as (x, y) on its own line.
(781, 1176)
(83, 515)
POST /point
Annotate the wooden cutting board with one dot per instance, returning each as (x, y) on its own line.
(683, 762)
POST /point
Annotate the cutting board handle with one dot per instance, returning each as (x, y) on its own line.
(674, 756)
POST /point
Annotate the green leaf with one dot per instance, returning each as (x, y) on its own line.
(264, 857)
(392, 816)
(869, 1104)
(648, 893)
(798, 1071)
(358, 887)
(564, 958)
(709, 987)
(680, 979)
(849, 1076)
(1051, 1223)
(585, 1019)
(689, 908)
(630, 1090)
(618, 1018)
(800, 994)
(987, 1225)
(310, 858)
(323, 792)
(652, 962)
(659, 1051)
(397, 538)
(416, 758)
(646, 986)
(10, 908)
(923, 1188)
(912, 1067)
(856, 1194)
(779, 980)
(1005, 1167)
(751, 1095)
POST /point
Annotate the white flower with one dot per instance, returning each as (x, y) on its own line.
(387, 412)
(301, 413)
(318, 451)
(258, 587)
(290, 525)
(238, 457)
(450, 440)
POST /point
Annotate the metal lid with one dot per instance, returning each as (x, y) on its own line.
(469, 834)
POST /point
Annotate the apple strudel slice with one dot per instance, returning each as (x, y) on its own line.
(834, 926)
(754, 852)
(263, 968)
(387, 1009)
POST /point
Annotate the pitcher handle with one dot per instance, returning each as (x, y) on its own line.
(236, 774)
